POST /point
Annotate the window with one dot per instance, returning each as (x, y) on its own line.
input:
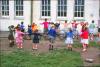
(79, 8)
(4, 7)
(19, 7)
(46, 8)
(62, 8)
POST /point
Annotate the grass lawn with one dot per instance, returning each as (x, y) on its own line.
(56, 58)
(77, 44)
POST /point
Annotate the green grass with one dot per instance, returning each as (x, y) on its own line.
(56, 58)
(77, 44)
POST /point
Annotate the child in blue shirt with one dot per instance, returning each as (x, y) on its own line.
(69, 39)
(51, 36)
(22, 27)
(29, 31)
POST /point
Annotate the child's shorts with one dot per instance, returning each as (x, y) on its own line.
(69, 41)
(85, 41)
(51, 39)
(91, 31)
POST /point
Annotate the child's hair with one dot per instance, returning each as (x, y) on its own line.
(22, 22)
(65, 21)
(85, 28)
(12, 26)
(36, 30)
(29, 25)
(45, 19)
(70, 29)
(92, 21)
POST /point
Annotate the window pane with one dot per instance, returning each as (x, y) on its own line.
(79, 14)
(75, 2)
(20, 7)
(65, 2)
(75, 14)
(42, 2)
(58, 13)
(82, 8)
(62, 7)
(3, 13)
(82, 14)
(65, 8)
(62, 14)
(82, 2)
(65, 13)
(48, 7)
(2, 7)
(45, 8)
(5, 7)
(42, 13)
(79, 8)
(17, 13)
(48, 13)
(48, 2)
(79, 2)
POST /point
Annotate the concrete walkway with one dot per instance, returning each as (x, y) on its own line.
(4, 34)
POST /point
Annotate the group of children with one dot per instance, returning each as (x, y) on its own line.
(51, 30)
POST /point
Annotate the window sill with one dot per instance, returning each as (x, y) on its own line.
(79, 18)
(45, 17)
(4, 17)
(19, 17)
(62, 18)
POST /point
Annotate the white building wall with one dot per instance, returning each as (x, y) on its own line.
(12, 20)
(91, 8)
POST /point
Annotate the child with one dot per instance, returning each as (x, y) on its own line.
(85, 38)
(29, 31)
(51, 36)
(74, 28)
(45, 26)
(91, 30)
(22, 27)
(11, 35)
(19, 38)
(35, 40)
(69, 39)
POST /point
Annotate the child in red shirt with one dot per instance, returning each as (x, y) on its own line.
(85, 38)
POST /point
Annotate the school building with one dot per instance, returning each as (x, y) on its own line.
(12, 12)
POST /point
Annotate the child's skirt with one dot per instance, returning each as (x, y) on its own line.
(85, 41)
(69, 40)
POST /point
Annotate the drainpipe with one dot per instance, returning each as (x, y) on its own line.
(31, 11)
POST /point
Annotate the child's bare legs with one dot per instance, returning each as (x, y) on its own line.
(69, 47)
(35, 46)
(84, 47)
(21, 45)
(91, 36)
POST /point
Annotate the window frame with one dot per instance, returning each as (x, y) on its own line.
(48, 6)
(6, 9)
(18, 9)
(78, 9)
(64, 5)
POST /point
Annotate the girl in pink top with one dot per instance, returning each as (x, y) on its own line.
(19, 38)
